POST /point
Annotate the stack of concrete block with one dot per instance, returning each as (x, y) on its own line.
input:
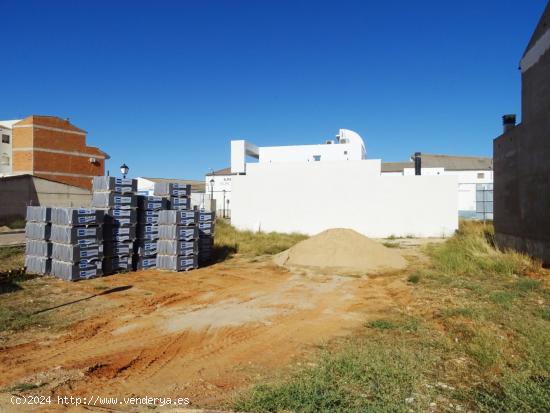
(206, 222)
(179, 194)
(149, 208)
(38, 250)
(178, 231)
(117, 198)
(77, 236)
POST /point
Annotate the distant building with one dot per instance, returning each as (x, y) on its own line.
(310, 188)
(146, 186)
(218, 186)
(522, 156)
(474, 174)
(347, 146)
(6, 153)
(19, 191)
(52, 148)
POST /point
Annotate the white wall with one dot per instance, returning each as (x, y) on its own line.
(306, 153)
(312, 197)
(467, 181)
(145, 186)
(221, 183)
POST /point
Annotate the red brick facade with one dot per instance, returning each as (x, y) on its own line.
(55, 149)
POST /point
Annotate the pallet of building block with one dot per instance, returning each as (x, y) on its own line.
(153, 236)
(206, 243)
(204, 216)
(37, 264)
(67, 234)
(146, 248)
(121, 217)
(113, 201)
(38, 214)
(177, 263)
(38, 247)
(148, 219)
(206, 249)
(152, 203)
(206, 231)
(148, 232)
(76, 271)
(143, 263)
(77, 216)
(178, 232)
(143, 213)
(180, 203)
(172, 189)
(177, 247)
(38, 230)
(119, 234)
(121, 263)
(76, 253)
(113, 184)
(122, 213)
(178, 217)
(206, 225)
(111, 248)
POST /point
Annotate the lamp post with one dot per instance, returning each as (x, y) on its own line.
(223, 214)
(124, 170)
(211, 192)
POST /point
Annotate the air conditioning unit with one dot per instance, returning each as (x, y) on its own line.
(93, 160)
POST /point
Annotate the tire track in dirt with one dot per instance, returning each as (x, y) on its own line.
(200, 333)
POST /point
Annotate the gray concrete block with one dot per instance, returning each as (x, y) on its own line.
(177, 263)
(38, 230)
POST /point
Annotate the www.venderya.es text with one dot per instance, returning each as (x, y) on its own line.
(95, 400)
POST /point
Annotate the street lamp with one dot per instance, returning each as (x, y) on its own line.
(124, 170)
(223, 203)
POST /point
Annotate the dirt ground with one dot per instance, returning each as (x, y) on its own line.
(204, 335)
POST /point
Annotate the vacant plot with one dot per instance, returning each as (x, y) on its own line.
(476, 337)
(464, 327)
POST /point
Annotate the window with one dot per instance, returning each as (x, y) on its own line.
(345, 152)
(316, 158)
(5, 138)
(480, 175)
(4, 159)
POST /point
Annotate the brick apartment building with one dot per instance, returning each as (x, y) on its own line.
(522, 154)
(55, 149)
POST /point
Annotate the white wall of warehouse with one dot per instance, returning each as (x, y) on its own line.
(312, 197)
(467, 181)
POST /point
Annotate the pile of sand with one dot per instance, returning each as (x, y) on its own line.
(343, 251)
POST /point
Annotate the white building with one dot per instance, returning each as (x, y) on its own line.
(474, 175)
(146, 186)
(6, 146)
(310, 188)
(218, 186)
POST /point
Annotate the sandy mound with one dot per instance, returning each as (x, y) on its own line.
(341, 250)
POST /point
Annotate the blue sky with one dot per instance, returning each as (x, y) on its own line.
(165, 85)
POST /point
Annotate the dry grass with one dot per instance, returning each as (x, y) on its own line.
(229, 240)
(11, 258)
(477, 338)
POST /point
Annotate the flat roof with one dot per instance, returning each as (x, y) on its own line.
(448, 162)
(198, 186)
